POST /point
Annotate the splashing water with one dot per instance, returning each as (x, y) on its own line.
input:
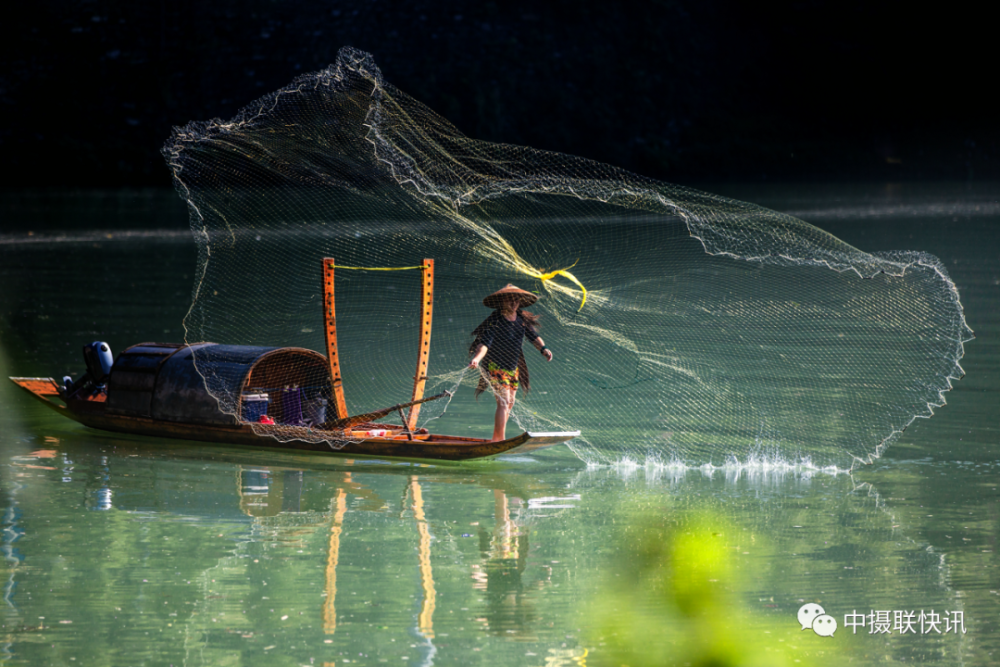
(692, 328)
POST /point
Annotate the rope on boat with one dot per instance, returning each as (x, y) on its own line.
(378, 268)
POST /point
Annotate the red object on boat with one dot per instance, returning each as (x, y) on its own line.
(264, 419)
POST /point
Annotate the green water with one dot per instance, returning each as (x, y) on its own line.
(121, 550)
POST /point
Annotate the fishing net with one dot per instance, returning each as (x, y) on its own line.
(686, 327)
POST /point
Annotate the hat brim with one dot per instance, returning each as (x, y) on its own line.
(495, 300)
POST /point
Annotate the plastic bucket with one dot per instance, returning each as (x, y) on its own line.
(254, 405)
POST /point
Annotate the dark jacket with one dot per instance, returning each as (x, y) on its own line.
(484, 331)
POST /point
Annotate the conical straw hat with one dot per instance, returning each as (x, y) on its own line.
(495, 300)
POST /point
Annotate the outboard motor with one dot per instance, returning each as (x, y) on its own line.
(99, 361)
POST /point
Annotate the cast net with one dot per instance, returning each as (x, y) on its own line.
(687, 328)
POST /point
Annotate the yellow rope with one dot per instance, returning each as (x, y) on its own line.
(377, 268)
(524, 268)
(499, 249)
(561, 272)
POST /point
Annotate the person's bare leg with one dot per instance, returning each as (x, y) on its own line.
(500, 418)
(505, 401)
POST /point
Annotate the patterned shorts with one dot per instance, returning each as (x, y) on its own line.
(501, 377)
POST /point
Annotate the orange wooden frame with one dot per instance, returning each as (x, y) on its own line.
(330, 331)
(424, 343)
(424, 349)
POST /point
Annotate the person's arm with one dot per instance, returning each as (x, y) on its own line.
(540, 346)
(474, 363)
(537, 341)
(485, 339)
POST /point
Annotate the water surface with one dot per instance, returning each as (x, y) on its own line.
(122, 550)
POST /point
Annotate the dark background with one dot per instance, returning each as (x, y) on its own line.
(687, 92)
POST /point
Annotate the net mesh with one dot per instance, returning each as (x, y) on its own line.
(687, 327)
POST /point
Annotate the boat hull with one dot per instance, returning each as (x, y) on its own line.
(432, 446)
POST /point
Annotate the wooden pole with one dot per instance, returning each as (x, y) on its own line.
(424, 349)
(378, 414)
(330, 330)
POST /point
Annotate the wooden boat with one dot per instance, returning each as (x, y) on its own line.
(155, 389)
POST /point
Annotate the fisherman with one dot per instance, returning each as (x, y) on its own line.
(498, 344)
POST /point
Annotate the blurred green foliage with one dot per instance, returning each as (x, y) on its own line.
(672, 597)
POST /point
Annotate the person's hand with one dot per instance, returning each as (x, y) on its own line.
(474, 363)
(547, 354)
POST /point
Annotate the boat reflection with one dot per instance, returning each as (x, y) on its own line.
(276, 554)
(338, 507)
(500, 577)
(425, 623)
